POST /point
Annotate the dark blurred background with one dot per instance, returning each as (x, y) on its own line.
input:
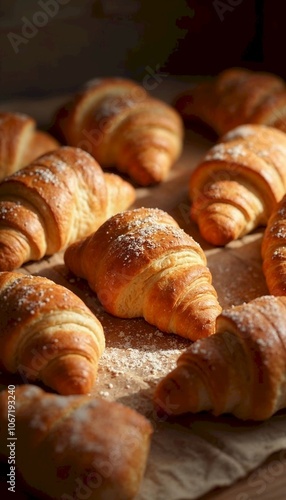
(51, 46)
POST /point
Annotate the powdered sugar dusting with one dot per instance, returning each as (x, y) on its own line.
(240, 132)
(146, 354)
(145, 359)
(30, 391)
(236, 151)
(145, 231)
(42, 173)
(137, 243)
(45, 175)
(249, 318)
(279, 253)
(32, 297)
(222, 151)
(9, 209)
(217, 152)
(55, 405)
(278, 230)
(282, 209)
(114, 105)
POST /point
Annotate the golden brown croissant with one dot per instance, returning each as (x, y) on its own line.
(273, 250)
(73, 446)
(48, 334)
(238, 183)
(59, 198)
(145, 265)
(235, 97)
(239, 370)
(121, 125)
(21, 142)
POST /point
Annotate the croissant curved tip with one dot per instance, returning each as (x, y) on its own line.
(214, 236)
(120, 193)
(220, 228)
(149, 166)
(9, 261)
(182, 391)
(167, 397)
(74, 385)
(69, 375)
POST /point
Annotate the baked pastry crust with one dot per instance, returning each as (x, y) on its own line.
(122, 126)
(76, 444)
(48, 334)
(60, 197)
(21, 142)
(236, 96)
(236, 186)
(239, 370)
(145, 265)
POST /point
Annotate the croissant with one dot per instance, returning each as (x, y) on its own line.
(78, 446)
(48, 334)
(237, 184)
(21, 142)
(273, 250)
(60, 197)
(236, 96)
(121, 125)
(238, 370)
(147, 266)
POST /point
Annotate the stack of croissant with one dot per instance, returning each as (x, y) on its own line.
(52, 195)
(49, 335)
(239, 185)
(139, 263)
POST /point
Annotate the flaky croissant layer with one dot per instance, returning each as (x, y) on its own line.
(236, 96)
(21, 142)
(121, 125)
(273, 250)
(240, 369)
(140, 263)
(77, 445)
(234, 189)
(60, 197)
(48, 334)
